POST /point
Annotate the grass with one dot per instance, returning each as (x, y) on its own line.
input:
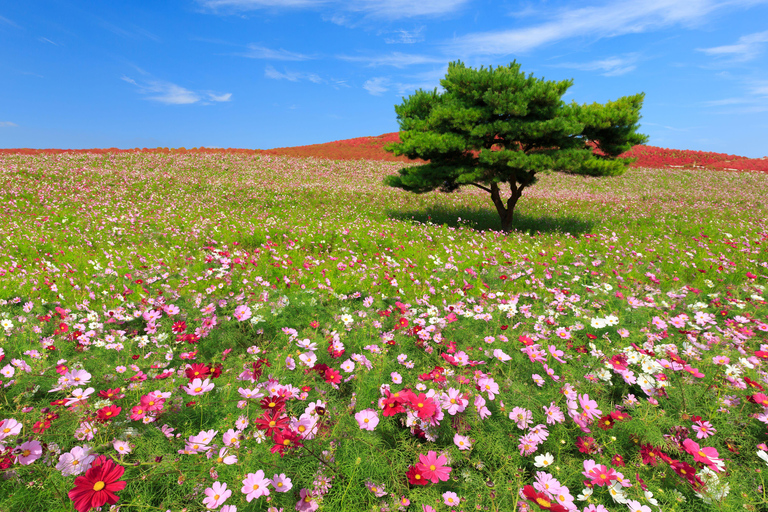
(318, 252)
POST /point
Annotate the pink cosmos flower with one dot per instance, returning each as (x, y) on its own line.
(704, 454)
(554, 414)
(453, 402)
(463, 442)
(225, 458)
(255, 485)
(433, 468)
(703, 429)
(216, 495)
(451, 498)
(9, 427)
(242, 313)
(76, 461)
(590, 407)
(523, 417)
(489, 386)
(121, 446)
(601, 475)
(367, 419)
(306, 503)
(281, 483)
(30, 452)
(198, 387)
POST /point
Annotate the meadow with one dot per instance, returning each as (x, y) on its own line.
(213, 331)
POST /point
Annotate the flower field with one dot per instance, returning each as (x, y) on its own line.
(212, 330)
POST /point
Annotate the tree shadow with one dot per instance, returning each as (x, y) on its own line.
(484, 219)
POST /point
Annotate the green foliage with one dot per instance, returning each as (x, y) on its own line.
(493, 126)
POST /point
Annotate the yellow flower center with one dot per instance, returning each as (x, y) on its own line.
(365, 420)
(544, 503)
(98, 486)
(420, 404)
(197, 390)
(432, 467)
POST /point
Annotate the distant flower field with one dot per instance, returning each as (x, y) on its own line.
(212, 330)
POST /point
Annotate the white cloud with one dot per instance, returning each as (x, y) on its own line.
(219, 97)
(261, 52)
(377, 86)
(388, 9)
(747, 48)
(595, 22)
(292, 76)
(613, 66)
(172, 94)
(396, 59)
(7, 124)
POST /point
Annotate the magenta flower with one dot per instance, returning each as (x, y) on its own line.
(704, 454)
(306, 503)
(590, 407)
(367, 419)
(216, 495)
(602, 475)
(30, 452)
(703, 429)
(281, 483)
(433, 468)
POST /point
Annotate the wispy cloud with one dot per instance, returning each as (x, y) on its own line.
(9, 22)
(7, 124)
(292, 76)
(406, 36)
(406, 84)
(612, 66)
(46, 40)
(172, 94)
(594, 22)
(396, 59)
(748, 47)
(388, 9)
(262, 52)
(754, 99)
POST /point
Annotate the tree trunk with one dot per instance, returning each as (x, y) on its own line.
(506, 212)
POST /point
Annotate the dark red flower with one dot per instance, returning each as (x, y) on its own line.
(650, 454)
(275, 403)
(618, 460)
(98, 486)
(271, 422)
(586, 444)
(197, 371)
(179, 327)
(606, 422)
(111, 394)
(415, 477)
(285, 440)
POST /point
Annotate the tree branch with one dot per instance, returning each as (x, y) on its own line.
(481, 187)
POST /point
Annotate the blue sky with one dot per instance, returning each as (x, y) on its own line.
(271, 73)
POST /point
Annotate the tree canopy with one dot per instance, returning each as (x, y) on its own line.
(492, 126)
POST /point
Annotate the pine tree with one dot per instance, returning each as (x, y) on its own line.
(495, 126)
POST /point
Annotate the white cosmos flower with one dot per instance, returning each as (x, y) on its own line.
(598, 323)
(764, 456)
(543, 461)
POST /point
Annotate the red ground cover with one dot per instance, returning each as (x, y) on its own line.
(372, 148)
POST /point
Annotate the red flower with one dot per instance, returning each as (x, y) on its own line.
(275, 403)
(586, 444)
(332, 376)
(314, 324)
(306, 389)
(197, 371)
(393, 404)
(606, 422)
(415, 477)
(617, 460)
(423, 405)
(109, 412)
(620, 416)
(285, 440)
(98, 486)
(272, 422)
(650, 454)
(542, 500)
(179, 327)
(41, 426)
(111, 394)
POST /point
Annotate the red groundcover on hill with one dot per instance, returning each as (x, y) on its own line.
(372, 148)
